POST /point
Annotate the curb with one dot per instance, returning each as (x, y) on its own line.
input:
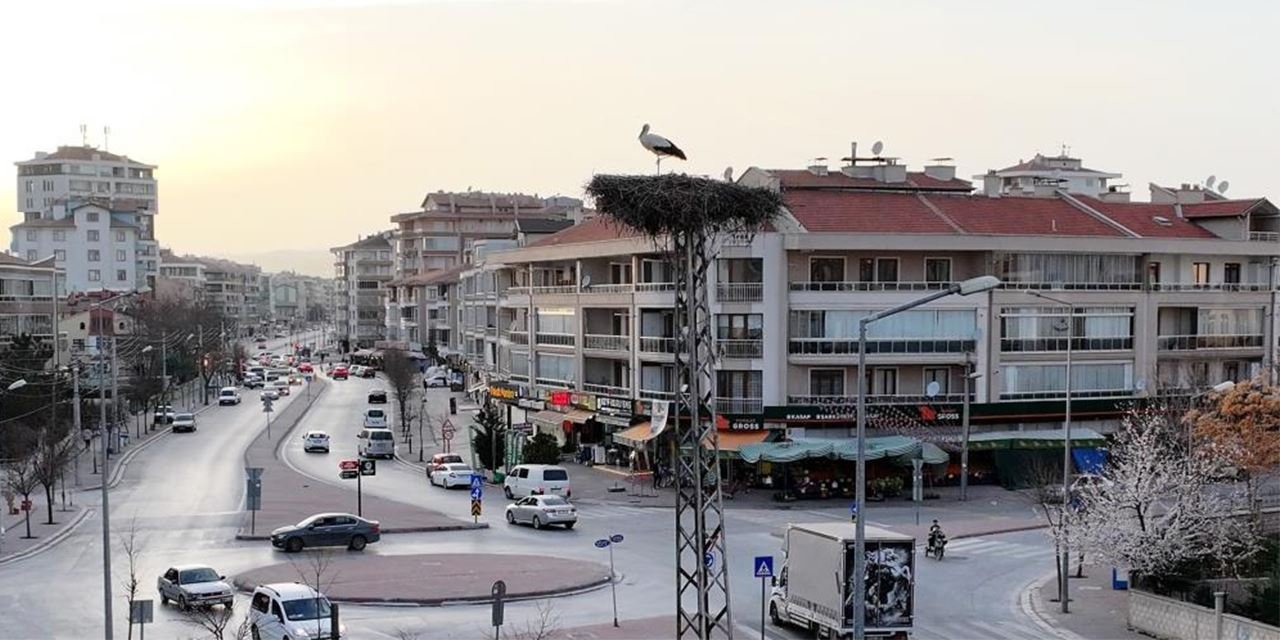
(244, 457)
(1030, 605)
(48, 542)
(444, 602)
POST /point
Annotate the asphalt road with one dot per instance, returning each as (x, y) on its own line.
(185, 492)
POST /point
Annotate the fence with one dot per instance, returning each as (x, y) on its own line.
(1164, 617)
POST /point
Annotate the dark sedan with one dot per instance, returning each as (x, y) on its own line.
(327, 530)
(378, 396)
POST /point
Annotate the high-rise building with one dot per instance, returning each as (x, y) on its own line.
(361, 271)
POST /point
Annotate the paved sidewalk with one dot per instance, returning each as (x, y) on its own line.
(366, 578)
(637, 629)
(289, 497)
(1097, 611)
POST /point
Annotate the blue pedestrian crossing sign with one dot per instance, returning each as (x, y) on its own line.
(477, 487)
(764, 566)
(853, 508)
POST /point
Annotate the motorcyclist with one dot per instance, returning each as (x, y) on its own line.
(937, 538)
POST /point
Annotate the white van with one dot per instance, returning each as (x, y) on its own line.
(537, 479)
(376, 443)
(375, 418)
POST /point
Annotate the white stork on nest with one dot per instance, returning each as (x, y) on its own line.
(659, 146)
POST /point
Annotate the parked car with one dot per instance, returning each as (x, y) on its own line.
(452, 474)
(194, 585)
(536, 479)
(375, 418)
(456, 383)
(376, 443)
(440, 459)
(260, 339)
(378, 396)
(339, 372)
(435, 381)
(315, 441)
(269, 391)
(540, 511)
(306, 367)
(327, 530)
(184, 422)
(291, 611)
(262, 346)
(282, 386)
(164, 414)
(228, 395)
(295, 378)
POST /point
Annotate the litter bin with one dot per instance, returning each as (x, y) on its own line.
(1119, 579)
(499, 477)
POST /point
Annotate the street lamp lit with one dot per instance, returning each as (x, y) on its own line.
(978, 285)
(17, 384)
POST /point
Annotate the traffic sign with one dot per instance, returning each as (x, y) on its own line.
(477, 482)
(347, 465)
(477, 493)
(368, 467)
(475, 508)
(348, 474)
(522, 427)
(266, 408)
(853, 508)
(26, 505)
(602, 543)
(447, 430)
(763, 566)
(709, 559)
(140, 611)
(615, 538)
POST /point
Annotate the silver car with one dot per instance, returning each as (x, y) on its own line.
(184, 422)
(541, 511)
(193, 585)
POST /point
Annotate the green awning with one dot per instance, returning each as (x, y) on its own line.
(933, 454)
(785, 451)
(1034, 439)
(846, 449)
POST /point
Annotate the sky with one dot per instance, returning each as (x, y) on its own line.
(296, 125)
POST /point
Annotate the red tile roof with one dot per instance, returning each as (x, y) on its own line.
(596, 229)
(1021, 216)
(1221, 208)
(864, 212)
(1139, 217)
(85, 154)
(805, 179)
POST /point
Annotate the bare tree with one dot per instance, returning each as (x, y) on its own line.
(57, 447)
(400, 371)
(21, 478)
(132, 552)
(544, 624)
(215, 620)
(315, 571)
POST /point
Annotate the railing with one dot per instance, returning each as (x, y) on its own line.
(554, 383)
(1075, 393)
(555, 289)
(739, 291)
(1210, 286)
(730, 348)
(650, 394)
(518, 291)
(1264, 236)
(555, 339)
(606, 390)
(651, 344)
(1032, 345)
(1074, 286)
(518, 377)
(1190, 343)
(739, 405)
(606, 342)
(849, 346)
(869, 286)
(652, 287)
(626, 287)
(877, 399)
(519, 337)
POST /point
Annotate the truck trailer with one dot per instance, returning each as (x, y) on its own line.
(814, 589)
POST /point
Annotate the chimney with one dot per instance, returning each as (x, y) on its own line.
(818, 169)
(41, 155)
(943, 172)
(991, 184)
(1189, 194)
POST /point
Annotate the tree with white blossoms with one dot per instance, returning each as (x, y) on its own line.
(1159, 507)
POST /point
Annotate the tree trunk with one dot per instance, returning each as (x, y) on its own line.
(26, 497)
(48, 502)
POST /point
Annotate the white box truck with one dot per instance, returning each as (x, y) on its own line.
(814, 589)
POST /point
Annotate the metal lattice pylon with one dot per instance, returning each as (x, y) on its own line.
(702, 574)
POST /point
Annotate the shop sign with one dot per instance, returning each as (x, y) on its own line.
(502, 392)
(531, 404)
(923, 413)
(739, 423)
(584, 401)
(558, 398)
(614, 406)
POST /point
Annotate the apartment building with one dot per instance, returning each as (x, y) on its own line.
(181, 279)
(232, 289)
(362, 270)
(29, 297)
(297, 298)
(1168, 296)
(80, 201)
(424, 307)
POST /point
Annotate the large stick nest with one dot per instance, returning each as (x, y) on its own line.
(677, 203)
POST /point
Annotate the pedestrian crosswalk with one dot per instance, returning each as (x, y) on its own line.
(612, 511)
(977, 629)
(966, 547)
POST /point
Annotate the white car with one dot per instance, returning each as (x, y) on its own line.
(376, 443)
(290, 611)
(315, 441)
(452, 474)
(228, 395)
(184, 422)
(194, 585)
(269, 391)
(541, 511)
(375, 418)
(437, 380)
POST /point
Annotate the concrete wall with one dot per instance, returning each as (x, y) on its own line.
(1168, 618)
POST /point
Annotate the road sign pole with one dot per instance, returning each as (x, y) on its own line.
(613, 586)
(360, 494)
(762, 607)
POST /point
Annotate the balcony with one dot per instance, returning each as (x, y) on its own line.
(741, 348)
(1037, 345)
(739, 292)
(653, 344)
(606, 390)
(876, 399)
(518, 337)
(739, 405)
(554, 383)
(654, 287)
(869, 286)
(651, 394)
(849, 346)
(606, 342)
(1210, 286)
(518, 377)
(555, 289)
(1264, 236)
(609, 288)
(1075, 393)
(555, 339)
(1192, 343)
(1073, 286)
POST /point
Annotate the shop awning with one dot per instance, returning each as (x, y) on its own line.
(731, 442)
(578, 416)
(1035, 439)
(845, 449)
(557, 418)
(635, 436)
(785, 451)
(613, 421)
(477, 387)
(928, 451)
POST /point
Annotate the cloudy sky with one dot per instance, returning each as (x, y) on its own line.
(299, 124)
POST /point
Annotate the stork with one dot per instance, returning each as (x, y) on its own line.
(659, 146)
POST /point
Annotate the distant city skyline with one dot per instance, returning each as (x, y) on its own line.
(302, 126)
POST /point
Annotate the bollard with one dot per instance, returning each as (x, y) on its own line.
(1219, 605)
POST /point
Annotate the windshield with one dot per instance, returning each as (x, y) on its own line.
(307, 609)
(554, 474)
(374, 413)
(554, 501)
(184, 416)
(198, 575)
(317, 434)
(380, 435)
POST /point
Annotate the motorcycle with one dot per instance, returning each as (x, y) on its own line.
(937, 546)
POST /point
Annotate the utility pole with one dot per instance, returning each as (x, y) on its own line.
(105, 435)
(75, 414)
(115, 383)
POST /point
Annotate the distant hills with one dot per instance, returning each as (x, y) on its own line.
(312, 262)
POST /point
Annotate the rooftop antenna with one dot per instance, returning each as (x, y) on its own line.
(84, 135)
(106, 138)
(1208, 182)
(1223, 186)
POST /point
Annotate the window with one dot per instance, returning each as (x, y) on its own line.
(30, 186)
(740, 270)
(1231, 273)
(655, 271)
(1153, 272)
(555, 321)
(122, 275)
(940, 375)
(95, 255)
(826, 269)
(31, 255)
(31, 204)
(555, 367)
(1231, 371)
(1049, 380)
(59, 255)
(1200, 272)
(1073, 270)
(937, 269)
(95, 275)
(93, 235)
(884, 381)
(826, 382)
(739, 326)
(31, 235)
(59, 236)
(620, 272)
(119, 235)
(886, 269)
(121, 255)
(739, 384)
(915, 324)
(261, 602)
(866, 270)
(91, 216)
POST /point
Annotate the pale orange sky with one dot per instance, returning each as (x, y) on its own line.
(302, 126)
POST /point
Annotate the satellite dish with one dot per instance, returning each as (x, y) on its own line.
(1208, 182)
(728, 174)
(1141, 384)
(1223, 186)
(932, 389)
(586, 281)
(877, 148)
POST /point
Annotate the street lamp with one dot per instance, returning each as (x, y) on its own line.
(968, 287)
(16, 384)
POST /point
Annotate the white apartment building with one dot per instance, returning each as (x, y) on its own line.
(100, 248)
(361, 271)
(1152, 298)
(30, 296)
(51, 186)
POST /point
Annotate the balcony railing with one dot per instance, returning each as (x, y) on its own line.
(1191, 343)
(876, 399)
(606, 342)
(554, 383)
(739, 292)
(626, 287)
(518, 377)
(1209, 286)
(555, 339)
(555, 289)
(652, 287)
(741, 348)
(1033, 345)
(1058, 393)
(869, 286)
(1264, 236)
(849, 346)
(650, 394)
(1074, 286)
(650, 344)
(519, 337)
(519, 290)
(739, 405)
(606, 389)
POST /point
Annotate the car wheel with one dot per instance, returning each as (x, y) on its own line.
(537, 522)
(253, 631)
(164, 600)
(511, 518)
(773, 615)
(293, 545)
(182, 603)
(507, 490)
(358, 543)
(569, 525)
